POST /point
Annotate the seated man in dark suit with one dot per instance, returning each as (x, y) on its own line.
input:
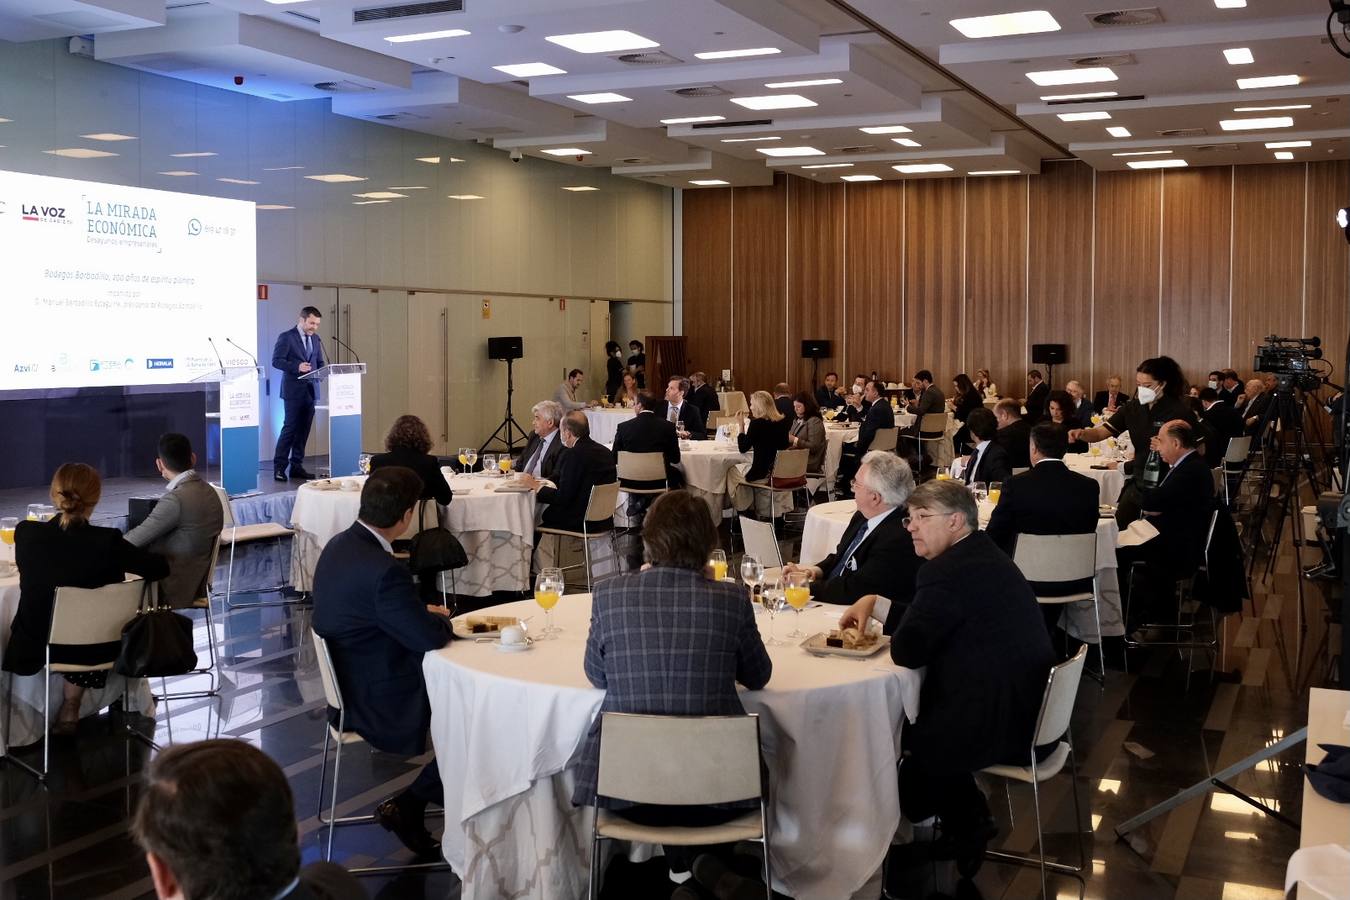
(827, 396)
(367, 608)
(988, 462)
(975, 625)
(584, 465)
(1014, 432)
(1230, 388)
(782, 398)
(703, 395)
(1113, 398)
(1224, 422)
(879, 415)
(875, 554)
(677, 408)
(220, 813)
(542, 456)
(1253, 413)
(648, 433)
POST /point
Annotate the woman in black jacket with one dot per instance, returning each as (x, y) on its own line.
(408, 444)
(966, 399)
(614, 369)
(763, 437)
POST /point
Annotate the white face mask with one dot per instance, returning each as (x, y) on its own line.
(1146, 395)
(857, 389)
(1214, 385)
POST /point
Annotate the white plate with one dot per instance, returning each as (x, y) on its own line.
(513, 648)
(815, 645)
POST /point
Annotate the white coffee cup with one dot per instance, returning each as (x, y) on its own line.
(513, 634)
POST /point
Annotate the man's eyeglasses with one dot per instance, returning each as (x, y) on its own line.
(908, 519)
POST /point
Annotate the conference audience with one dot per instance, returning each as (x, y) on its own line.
(965, 399)
(827, 395)
(542, 456)
(647, 432)
(216, 820)
(686, 416)
(782, 398)
(297, 352)
(68, 551)
(703, 395)
(879, 416)
(1230, 388)
(975, 625)
(1082, 412)
(1254, 411)
(1108, 401)
(764, 435)
(876, 553)
(1060, 411)
(1013, 432)
(585, 465)
(184, 526)
(985, 384)
(613, 369)
(808, 431)
(988, 462)
(637, 363)
(408, 444)
(566, 394)
(1225, 423)
(377, 628)
(670, 641)
(927, 396)
(628, 390)
(1038, 394)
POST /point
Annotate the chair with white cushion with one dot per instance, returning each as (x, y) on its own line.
(932, 430)
(234, 534)
(633, 467)
(1234, 464)
(604, 498)
(762, 544)
(1060, 558)
(679, 760)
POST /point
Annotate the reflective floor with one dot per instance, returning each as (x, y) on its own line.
(1139, 739)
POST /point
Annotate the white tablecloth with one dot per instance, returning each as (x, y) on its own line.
(505, 727)
(705, 465)
(26, 723)
(1111, 480)
(731, 402)
(836, 436)
(604, 422)
(826, 522)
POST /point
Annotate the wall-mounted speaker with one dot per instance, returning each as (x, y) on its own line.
(815, 349)
(1050, 354)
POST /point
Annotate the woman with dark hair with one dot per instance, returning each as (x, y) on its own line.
(966, 398)
(69, 552)
(613, 368)
(1060, 410)
(408, 444)
(808, 431)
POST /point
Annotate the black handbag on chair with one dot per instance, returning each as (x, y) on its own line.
(435, 549)
(157, 642)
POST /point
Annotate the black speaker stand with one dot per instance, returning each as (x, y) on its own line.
(509, 424)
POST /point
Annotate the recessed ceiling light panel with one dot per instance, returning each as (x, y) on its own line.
(1268, 81)
(466, 196)
(426, 36)
(1118, 131)
(1157, 164)
(236, 181)
(1287, 145)
(379, 195)
(811, 82)
(108, 136)
(530, 70)
(578, 188)
(790, 151)
(334, 178)
(753, 140)
(860, 177)
(1144, 153)
(1283, 154)
(1239, 56)
(830, 166)
(1036, 21)
(922, 168)
(603, 97)
(690, 120)
(737, 54)
(79, 153)
(1272, 108)
(602, 41)
(567, 151)
(997, 172)
(1088, 75)
(1256, 124)
(1091, 95)
(1084, 116)
(709, 182)
(886, 129)
(774, 101)
(907, 142)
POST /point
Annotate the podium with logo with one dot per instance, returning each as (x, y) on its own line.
(232, 401)
(340, 398)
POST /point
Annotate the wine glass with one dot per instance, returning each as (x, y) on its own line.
(470, 457)
(980, 489)
(463, 460)
(548, 588)
(798, 594)
(717, 561)
(772, 599)
(7, 526)
(752, 573)
(34, 511)
(489, 463)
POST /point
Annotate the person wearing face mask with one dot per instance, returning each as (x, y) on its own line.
(613, 369)
(1159, 397)
(1215, 380)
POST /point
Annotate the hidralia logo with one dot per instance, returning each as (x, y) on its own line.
(159, 363)
(54, 215)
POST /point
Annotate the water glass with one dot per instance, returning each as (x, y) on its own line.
(773, 598)
(981, 490)
(489, 463)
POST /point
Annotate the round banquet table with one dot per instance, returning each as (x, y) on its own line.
(826, 523)
(506, 725)
(1112, 481)
(836, 436)
(731, 402)
(705, 465)
(604, 422)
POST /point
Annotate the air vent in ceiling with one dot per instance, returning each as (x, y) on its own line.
(399, 117)
(1097, 102)
(1115, 59)
(714, 126)
(405, 10)
(166, 64)
(860, 148)
(647, 58)
(1183, 132)
(313, 20)
(700, 90)
(343, 87)
(1118, 18)
(1215, 148)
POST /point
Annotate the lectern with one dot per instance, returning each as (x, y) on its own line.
(340, 397)
(232, 400)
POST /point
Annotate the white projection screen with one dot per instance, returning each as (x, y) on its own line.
(106, 285)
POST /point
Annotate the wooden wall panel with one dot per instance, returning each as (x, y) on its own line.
(1196, 245)
(1125, 274)
(1268, 205)
(815, 274)
(706, 243)
(1328, 276)
(996, 296)
(1059, 268)
(759, 285)
(874, 236)
(934, 322)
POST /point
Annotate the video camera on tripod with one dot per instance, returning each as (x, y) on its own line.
(1290, 361)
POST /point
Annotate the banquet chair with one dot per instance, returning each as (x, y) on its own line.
(428, 516)
(761, 543)
(234, 534)
(884, 439)
(1052, 725)
(642, 467)
(1018, 470)
(788, 477)
(604, 499)
(81, 617)
(340, 736)
(679, 760)
(932, 430)
(1059, 558)
(1234, 464)
(213, 668)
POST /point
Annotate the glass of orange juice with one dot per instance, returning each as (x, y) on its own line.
(548, 589)
(797, 592)
(504, 463)
(995, 491)
(7, 526)
(943, 473)
(717, 561)
(464, 459)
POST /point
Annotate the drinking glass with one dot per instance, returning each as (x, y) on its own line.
(752, 573)
(995, 491)
(363, 463)
(470, 457)
(772, 599)
(463, 459)
(489, 463)
(944, 473)
(717, 560)
(504, 463)
(548, 588)
(980, 489)
(798, 594)
(7, 526)
(34, 510)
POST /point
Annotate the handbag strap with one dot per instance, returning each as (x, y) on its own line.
(149, 596)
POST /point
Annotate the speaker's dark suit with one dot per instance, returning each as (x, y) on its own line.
(645, 433)
(690, 415)
(584, 466)
(884, 563)
(1050, 499)
(1015, 439)
(297, 396)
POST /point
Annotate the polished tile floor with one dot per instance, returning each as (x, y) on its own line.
(1139, 739)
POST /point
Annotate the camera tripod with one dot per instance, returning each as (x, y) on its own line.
(509, 424)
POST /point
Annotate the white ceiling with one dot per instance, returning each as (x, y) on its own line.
(967, 102)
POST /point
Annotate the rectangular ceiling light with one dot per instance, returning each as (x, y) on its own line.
(566, 151)
(860, 177)
(379, 195)
(1239, 56)
(466, 196)
(1036, 21)
(1084, 116)
(334, 178)
(997, 172)
(236, 181)
(411, 187)
(602, 97)
(1157, 164)
(1144, 153)
(1284, 154)
(1231, 4)
(737, 54)
(790, 151)
(602, 41)
(273, 206)
(690, 120)
(429, 159)
(1287, 145)
(79, 153)
(1267, 81)
(578, 188)
(530, 70)
(1272, 108)
(1118, 131)
(1256, 124)
(830, 166)
(281, 168)
(886, 129)
(810, 82)
(367, 202)
(178, 173)
(921, 168)
(1091, 95)
(907, 142)
(193, 155)
(774, 101)
(1072, 76)
(426, 36)
(108, 136)
(749, 140)
(709, 182)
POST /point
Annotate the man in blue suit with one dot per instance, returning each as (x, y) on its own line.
(367, 608)
(298, 352)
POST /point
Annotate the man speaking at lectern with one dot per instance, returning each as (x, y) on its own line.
(298, 352)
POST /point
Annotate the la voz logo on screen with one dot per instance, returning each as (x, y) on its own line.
(40, 212)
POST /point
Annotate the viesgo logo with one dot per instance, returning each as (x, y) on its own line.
(39, 213)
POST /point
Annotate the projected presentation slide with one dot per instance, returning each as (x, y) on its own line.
(109, 285)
